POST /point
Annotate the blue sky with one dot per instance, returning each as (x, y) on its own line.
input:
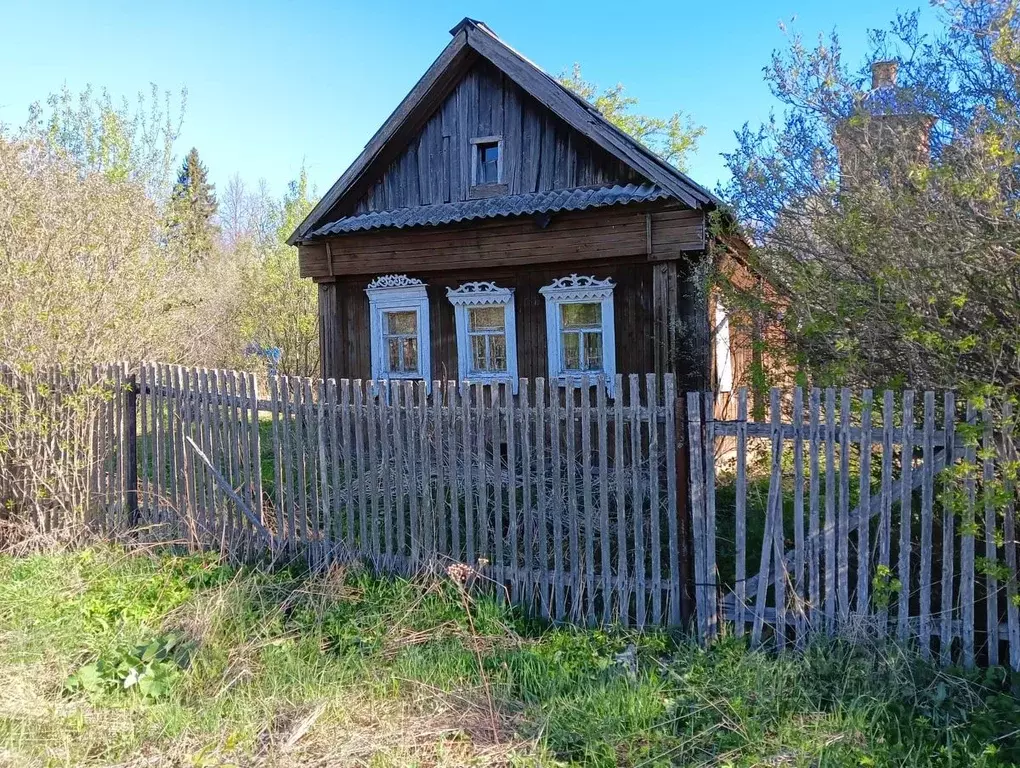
(272, 85)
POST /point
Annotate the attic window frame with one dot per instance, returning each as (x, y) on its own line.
(476, 148)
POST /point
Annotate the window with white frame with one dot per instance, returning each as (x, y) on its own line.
(580, 328)
(486, 332)
(399, 326)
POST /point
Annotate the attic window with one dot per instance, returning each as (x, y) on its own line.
(487, 161)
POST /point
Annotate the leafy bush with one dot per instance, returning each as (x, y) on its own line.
(150, 669)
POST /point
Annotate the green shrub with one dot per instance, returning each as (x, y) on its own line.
(149, 669)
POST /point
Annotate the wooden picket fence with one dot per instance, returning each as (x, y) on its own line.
(200, 456)
(840, 514)
(567, 504)
(870, 524)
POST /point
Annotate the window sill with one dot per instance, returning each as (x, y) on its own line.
(386, 376)
(483, 380)
(576, 381)
(479, 191)
(381, 386)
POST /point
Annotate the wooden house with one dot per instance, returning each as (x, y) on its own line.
(497, 226)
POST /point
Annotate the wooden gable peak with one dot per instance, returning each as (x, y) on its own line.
(473, 39)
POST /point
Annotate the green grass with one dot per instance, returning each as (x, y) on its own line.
(351, 669)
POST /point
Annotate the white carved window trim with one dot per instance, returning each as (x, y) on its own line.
(483, 294)
(399, 293)
(580, 290)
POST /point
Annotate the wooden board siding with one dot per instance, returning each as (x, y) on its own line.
(540, 152)
(329, 331)
(615, 232)
(634, 297)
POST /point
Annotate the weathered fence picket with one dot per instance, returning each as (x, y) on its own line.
(927, 501)
(831, 524)
(948, 544)
(991, 580)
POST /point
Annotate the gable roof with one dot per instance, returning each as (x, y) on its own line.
(471, 39)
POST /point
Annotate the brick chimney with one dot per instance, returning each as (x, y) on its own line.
(883, 74)
(887, 134)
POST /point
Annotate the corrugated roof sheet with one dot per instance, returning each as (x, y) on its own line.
(490, 207)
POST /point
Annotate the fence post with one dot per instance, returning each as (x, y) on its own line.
(683, 512)
(697, 475)
(131, 449)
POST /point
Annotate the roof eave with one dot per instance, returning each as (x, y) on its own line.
(552, 202)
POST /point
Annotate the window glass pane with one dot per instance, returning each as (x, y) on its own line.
(593, 351)
(571, 351)
(723, 353)
(401, 355)
(393, 354)
(401, 322)
(488, 163)
(410, 355)
(479, 361)
(588, 315)
(497, 349)
(490, 153)
(485, 318)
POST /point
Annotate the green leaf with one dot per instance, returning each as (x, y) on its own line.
(87, 678)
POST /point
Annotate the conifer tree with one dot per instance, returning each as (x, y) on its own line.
(193, 207)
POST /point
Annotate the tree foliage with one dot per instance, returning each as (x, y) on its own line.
(122, 141)
(278, 314)
(86, 274)
(674, 138)
(888, 217)
(83, 279)
(102, 259)
(193, 206)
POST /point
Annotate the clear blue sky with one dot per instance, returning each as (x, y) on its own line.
(272, 85)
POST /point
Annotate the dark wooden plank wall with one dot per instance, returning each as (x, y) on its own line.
(540, 152)
(656, 232)
(638, 319)
(329, 330)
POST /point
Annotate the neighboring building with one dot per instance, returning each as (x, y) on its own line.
(887, 134)
(498, 226)
(885, 137)
(747, 341)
